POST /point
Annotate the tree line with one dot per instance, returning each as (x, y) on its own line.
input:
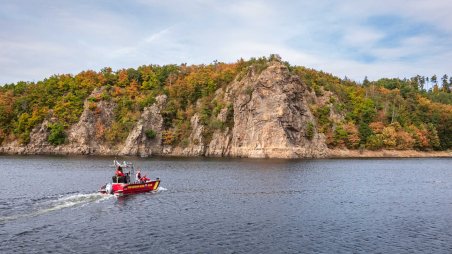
(390, 113)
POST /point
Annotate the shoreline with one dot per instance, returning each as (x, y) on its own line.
(331, 154)
(350, 154)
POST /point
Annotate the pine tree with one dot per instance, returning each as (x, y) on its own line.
(434, 80)
(445, 84)
(366, 81)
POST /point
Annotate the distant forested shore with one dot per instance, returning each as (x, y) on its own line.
(262, 107)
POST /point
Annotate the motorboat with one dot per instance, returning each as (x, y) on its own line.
(122, 185)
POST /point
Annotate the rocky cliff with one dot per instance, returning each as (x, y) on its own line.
(271, 116)
(268, 118)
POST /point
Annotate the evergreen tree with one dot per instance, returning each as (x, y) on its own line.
(366, 82)
(434, 79)
(450, 84)
(445, 84)
(421, 83)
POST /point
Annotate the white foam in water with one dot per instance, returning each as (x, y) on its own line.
(61, 203)
(160, 188)
(74, 200)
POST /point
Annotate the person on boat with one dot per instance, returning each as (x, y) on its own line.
(144, 179)
(119, 171)
(138, 176)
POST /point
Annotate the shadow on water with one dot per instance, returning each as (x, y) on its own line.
(124, 200)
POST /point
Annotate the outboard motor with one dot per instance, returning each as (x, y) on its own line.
(109, 188)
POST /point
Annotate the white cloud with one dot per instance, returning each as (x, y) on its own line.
(155, 36)
(362, 37)
(335, 36)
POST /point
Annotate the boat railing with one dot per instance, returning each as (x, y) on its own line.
(125, 164)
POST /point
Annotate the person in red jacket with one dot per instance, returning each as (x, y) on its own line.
(144, 179)
(119, 171)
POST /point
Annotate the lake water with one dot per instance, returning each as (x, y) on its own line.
(50, 204)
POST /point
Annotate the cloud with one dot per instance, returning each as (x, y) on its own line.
(362, 37)
(347, 38)
(156, 36)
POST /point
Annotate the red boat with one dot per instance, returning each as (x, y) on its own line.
(121, 185)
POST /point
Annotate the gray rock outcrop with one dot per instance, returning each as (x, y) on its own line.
(270, 118)
(137, 142)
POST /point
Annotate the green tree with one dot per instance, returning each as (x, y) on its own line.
(433, 136)
(434, 79)
(366, 81)
(445, 84)
(309, 131)
(150, 134)
(364, 131)
(57, 136)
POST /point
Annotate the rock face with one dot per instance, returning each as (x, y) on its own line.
(267, 117)
(38, 143)
(84, 136)
(270, 118)
(196, 146)
(137, 142)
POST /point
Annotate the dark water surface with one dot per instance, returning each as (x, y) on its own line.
(50, 204)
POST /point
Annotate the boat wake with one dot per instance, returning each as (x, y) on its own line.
(61, 202)
(73, 200)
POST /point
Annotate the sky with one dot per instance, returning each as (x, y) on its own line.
(385, 38)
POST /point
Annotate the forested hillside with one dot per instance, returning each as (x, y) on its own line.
(387, 113)
(384, 114)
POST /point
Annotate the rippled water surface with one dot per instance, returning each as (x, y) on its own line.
(50, 204)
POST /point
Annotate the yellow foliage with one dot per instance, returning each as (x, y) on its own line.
(389, 137)
(92, 105)
(168, 137)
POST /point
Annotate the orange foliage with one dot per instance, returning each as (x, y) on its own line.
(6, 103)
(123, 78)
(89, 78)
(377, 127)
(329, 135)
(420, 137)
(404, 140)
(168, 137)
(132, 89)
(117, 91)
(2, 135)
(353, 135)
(423, 137)
(381, 116)
(99, 130)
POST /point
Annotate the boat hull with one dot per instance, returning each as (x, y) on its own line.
(121, 189)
